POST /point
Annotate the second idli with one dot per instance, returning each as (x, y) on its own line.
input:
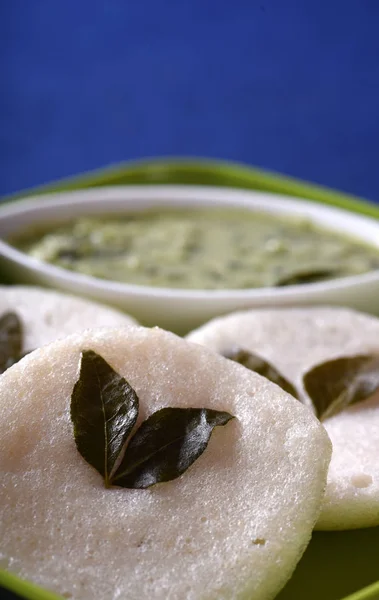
(295, 341)
(39, 316)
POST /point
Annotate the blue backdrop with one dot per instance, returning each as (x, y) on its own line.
(289, 85)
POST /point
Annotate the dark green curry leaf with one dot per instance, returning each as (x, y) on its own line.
(166, 444)
(309, 276)
(11, 335)
(336, 384)
(261, 366)
(104, 409)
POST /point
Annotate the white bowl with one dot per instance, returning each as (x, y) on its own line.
(175, 309)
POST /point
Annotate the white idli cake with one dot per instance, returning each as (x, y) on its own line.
(45, 315)
(295, 341)
(233, 525)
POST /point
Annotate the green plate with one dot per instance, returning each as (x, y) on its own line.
(336, 565)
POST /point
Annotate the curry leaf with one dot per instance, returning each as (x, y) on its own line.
(309, 276)
(336, 384)
(11, 335)
(166, 444)
(104, 409)
(261, 366)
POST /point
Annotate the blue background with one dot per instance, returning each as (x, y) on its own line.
(290, 85)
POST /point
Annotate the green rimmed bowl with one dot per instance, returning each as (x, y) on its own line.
(176, 309)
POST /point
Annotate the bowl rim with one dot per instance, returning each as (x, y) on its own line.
(218, 196)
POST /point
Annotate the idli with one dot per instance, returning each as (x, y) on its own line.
(233, 525)
(40, 316)
(295, 341)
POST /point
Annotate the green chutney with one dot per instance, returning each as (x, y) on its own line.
(208, 249)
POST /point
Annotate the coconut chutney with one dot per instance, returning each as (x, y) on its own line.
(200, 249)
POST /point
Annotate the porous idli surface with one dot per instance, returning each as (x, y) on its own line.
(47, 315)
(295, 340)
(234, 525)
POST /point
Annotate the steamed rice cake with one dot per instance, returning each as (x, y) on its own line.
(294, 341)
(47, 315)
(234, 525)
